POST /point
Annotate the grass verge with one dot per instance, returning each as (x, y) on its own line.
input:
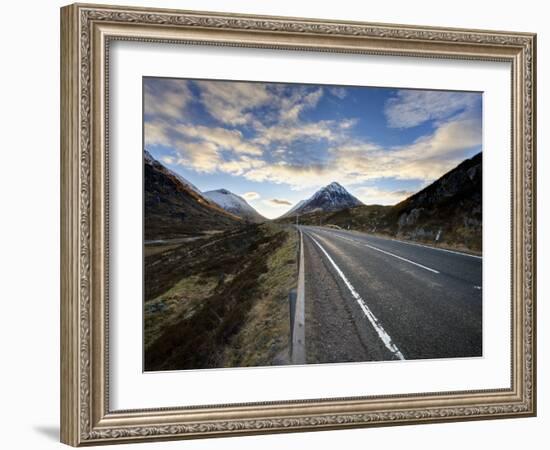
(224, 301)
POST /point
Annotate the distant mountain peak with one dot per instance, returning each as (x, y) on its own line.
(234, 204)
(331, 197)
(334, 187)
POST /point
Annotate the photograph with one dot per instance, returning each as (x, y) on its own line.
(289, 223)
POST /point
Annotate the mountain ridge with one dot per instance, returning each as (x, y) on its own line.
(176, 208)
(234, 204)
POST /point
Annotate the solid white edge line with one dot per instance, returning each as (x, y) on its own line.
(384, 337)
(388, 253)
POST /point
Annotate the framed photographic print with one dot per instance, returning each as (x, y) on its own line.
(274, 224)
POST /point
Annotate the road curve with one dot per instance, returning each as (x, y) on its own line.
(369, 298)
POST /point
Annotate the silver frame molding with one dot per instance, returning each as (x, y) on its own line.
(86, 32)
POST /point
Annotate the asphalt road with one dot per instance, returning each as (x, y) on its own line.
(369, 298)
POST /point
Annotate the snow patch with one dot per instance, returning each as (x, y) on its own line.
(234, 204)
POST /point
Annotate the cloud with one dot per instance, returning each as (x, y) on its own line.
(357, 161)
(231, 102)
(237, 103)
(168, 159)
(410, 108)
(278, 203)
(339, 92)
(301, 100)
(251, 196)
(201, 156)
(166, 98)
(240, 166)
(260, 133)
(155, 133)
(371, 195)
(282, 133)
(297, 176)
(202, 148)
(427, 158)
(220, 137)
(349, 160)
(348, 123)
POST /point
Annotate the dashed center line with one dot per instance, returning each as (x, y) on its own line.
(382, 334)
(388, 253)
(439, 249)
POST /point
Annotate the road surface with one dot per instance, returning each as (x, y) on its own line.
(369, 298)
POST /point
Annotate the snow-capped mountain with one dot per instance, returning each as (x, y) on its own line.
(332, 197)
(234, 204)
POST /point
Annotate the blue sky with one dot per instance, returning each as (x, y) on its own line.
(275, 144)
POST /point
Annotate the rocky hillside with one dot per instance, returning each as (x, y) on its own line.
(175, 208)
(449, 210)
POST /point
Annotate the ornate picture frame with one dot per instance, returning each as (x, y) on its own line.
(87, 31)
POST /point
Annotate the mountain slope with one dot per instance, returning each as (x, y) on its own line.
(294, 208)
(332, 197)
(235, 205)
(176, 208)
(448, 210)
(149, 159)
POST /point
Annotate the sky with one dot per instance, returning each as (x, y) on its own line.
(275, 144)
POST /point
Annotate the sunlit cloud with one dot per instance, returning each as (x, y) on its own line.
(220, 137)
(251, 196)
(350, 160)
(240, 166)
(155, 133)
(202, 157)
(168, 159)
(279, 203)
(201, 147)
(410, 108)
(356, 161)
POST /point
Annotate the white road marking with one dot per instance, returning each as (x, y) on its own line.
(388, 253)
(432, 248)
(423, 245)
(384, 337)
(437, 248)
